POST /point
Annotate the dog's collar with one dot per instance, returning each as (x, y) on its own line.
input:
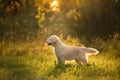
(54, 43)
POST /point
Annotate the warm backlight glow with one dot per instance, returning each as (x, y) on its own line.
(54, 5)
(116, 1)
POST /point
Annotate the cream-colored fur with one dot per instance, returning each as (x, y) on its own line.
(64, 52)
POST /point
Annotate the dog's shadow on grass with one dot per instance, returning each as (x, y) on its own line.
(58, 69)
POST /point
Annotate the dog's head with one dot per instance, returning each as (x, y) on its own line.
(52, 40)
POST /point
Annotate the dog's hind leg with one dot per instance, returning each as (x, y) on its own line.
(82, 60)
(78, 61)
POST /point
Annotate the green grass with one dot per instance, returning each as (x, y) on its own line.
(33, 61)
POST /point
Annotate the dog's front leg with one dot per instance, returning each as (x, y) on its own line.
(61, 60)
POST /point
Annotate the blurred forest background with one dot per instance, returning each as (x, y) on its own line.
(26, 24)
(22, 20)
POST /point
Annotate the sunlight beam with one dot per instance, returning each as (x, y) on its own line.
(55, 5)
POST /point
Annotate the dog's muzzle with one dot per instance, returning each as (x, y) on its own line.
(49, 43)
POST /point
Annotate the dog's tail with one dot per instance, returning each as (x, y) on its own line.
(91, 51)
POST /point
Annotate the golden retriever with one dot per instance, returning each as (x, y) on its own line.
(64, 52)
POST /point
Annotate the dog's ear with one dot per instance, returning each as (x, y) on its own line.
(55, 39)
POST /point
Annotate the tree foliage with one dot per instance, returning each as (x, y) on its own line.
(29, 18)
(83, 17)
(17, 20)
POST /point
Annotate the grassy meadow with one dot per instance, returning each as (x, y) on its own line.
(36, 61)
